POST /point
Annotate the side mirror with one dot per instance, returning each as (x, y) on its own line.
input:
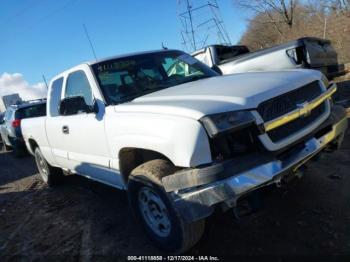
(74, 105)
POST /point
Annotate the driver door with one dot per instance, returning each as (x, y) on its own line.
(84, 133)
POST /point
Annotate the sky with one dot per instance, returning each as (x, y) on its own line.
(45, 37)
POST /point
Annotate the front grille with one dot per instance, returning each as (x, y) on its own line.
(296, 125)
(286, 103)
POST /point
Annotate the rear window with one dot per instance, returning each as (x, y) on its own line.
(31, 111)
(228, 52)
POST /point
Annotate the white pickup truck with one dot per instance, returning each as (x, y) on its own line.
(182, 140)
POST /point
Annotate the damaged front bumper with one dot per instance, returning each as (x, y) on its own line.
(196, 192)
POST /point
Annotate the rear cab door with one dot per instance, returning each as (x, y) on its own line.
(53, 125)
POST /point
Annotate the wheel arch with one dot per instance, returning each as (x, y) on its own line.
(32, 145)
(132, 157)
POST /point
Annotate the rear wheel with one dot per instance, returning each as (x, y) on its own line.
(152, 207)
(50, 175)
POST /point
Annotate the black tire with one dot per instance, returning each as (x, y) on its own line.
(180, 235)
(52, 176)
(19, 151)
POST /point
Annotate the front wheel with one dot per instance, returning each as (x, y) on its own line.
(52, 176)
(152, 207)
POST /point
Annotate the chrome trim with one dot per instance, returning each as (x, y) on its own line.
(273, 146)
(230, 189)
(303, 111)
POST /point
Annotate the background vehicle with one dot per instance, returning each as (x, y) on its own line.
(6, 101)
(182, 140)
(1, 122)
(10, 128)
(214, 55)
(308, 52)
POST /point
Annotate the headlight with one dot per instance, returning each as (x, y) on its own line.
(226, 122)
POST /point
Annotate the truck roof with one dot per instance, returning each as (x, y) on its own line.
(92, 62)
(293, 43)
(29, 103)
(204, 48)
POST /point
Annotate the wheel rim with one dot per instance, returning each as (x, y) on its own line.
(40, 161)
(154, 212)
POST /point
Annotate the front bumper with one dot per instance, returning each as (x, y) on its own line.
(196, 192)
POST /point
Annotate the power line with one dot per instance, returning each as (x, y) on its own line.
(42, 19)
(21, 11)
(201, 23)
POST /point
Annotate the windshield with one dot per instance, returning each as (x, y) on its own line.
(124, 79)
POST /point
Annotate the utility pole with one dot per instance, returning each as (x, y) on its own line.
(325, 27)
(201, 24)
(189, 7)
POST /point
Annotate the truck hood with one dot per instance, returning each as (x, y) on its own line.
(220, 94)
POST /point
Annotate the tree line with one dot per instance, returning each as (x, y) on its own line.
(278, 21)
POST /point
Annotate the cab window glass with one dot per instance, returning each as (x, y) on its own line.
(124, 79)
(78, 85)
(55, 96)
(37, 110)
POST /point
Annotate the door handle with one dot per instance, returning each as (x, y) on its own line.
(65, 130)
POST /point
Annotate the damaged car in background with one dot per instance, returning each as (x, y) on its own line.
(308, 52)
(182, 140)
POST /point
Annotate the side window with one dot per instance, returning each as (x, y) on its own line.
(78, 85)
(55, 96)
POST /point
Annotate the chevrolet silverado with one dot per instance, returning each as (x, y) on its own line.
(181, 139)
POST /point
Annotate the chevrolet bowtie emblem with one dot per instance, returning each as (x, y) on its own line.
(304, 109)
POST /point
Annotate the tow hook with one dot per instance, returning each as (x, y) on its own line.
(300, 173)
(248, 206)
(278, 183)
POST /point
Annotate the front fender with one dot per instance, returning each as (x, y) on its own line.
(182, 140)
